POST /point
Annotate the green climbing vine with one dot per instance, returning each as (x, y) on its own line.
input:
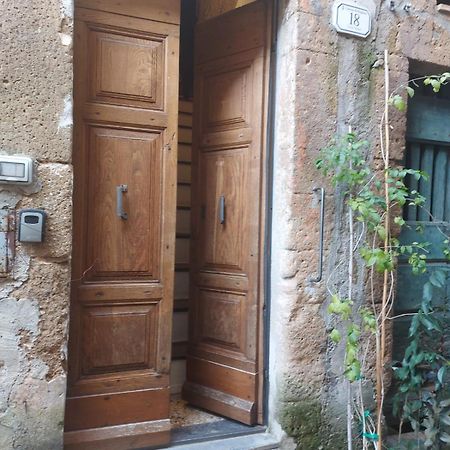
(374, 201)
(345, 163)
(421, 399)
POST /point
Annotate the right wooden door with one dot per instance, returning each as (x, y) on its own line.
(224, 364)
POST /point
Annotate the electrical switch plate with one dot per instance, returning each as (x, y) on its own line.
(16, 169)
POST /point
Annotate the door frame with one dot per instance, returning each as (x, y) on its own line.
(268, 219)
(266, 241)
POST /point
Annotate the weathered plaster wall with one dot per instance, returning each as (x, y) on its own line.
(326, 82)
(36, 118)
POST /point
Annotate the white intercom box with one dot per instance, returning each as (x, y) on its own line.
(16, 169)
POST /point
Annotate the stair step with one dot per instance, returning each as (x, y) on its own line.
(259, 441)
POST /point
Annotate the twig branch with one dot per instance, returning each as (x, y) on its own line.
(350, 296)
(382, 353)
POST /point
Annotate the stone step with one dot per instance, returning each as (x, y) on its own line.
(259, 441)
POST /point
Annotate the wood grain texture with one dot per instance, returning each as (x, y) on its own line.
(230, 115)
(119, 338)
(125, 108)
(244, 28)
(220, 402)
(119, 437)
(166, 11)
(117, 409)
(207, 9)
(132, 246)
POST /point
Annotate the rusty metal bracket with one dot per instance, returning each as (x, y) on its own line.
(7, 240)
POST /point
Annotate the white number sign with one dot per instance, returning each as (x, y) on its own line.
(352, 19)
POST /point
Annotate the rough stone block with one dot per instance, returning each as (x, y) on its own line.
(36, 80)
(55, 198)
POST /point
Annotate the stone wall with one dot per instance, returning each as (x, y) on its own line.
(326, 82)
(36, 119)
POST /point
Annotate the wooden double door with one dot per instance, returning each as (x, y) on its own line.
(125, 159)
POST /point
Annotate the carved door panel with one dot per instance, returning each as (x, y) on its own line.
(126, 90)
(224, 358)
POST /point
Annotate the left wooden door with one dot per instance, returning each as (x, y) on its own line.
(125, 156)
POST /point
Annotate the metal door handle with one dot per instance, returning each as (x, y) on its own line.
(222, 209)
(322, 219)
(119, 201)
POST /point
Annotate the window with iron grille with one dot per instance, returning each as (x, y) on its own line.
(428, 149)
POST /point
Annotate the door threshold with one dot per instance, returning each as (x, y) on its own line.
(258, 439)
(224, 434)
(206, 432)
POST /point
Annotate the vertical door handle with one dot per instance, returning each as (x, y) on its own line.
(119, 201)
(222, 209)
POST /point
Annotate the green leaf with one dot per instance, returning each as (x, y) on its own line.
(436, 84)
(381, 232)
(410, 91)
(414, 326)
(427, 292)
(444, 437)
(335, 336)
(445, 419)
(399, 103)
(429, 323)
(353, 334)
(399, 221)
(437, 278)
(440, 374)
(404, 388)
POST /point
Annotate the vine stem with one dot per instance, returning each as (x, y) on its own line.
(350, 295)
(381, 356)
(351, 243)
(349, 416)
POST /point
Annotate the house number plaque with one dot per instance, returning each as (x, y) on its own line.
(351, 18)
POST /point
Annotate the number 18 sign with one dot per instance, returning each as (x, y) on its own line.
(352, 19)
